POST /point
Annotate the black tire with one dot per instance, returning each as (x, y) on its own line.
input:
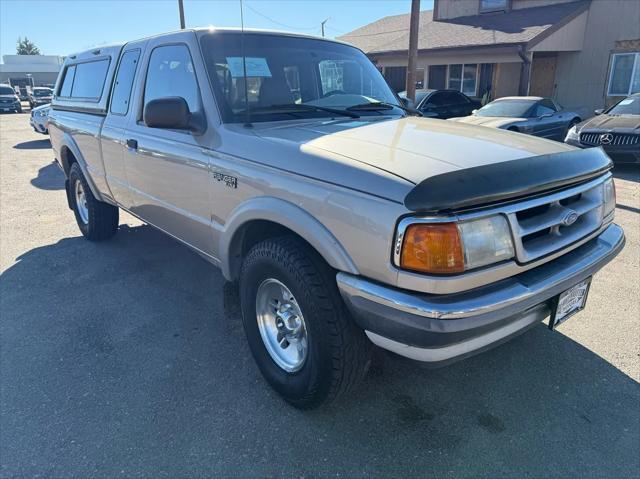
(103, 218)
(339, 354)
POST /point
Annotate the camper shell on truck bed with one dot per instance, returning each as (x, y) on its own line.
(347, 220)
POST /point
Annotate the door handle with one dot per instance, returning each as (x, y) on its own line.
(131, 143)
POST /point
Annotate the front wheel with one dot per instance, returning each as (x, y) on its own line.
(97, 220)
(304, 341)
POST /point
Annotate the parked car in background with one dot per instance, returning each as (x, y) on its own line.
(344, 220)
(40, 96)
(533, 115)
(441, 104)
(9, 100)
(616, 130)
(39, 119)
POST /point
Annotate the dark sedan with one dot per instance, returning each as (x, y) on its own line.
(441, 104)
(533, 115)
(616, 130)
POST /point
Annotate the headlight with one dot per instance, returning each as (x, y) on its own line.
(572, 134)
(454, 247)
(43, 113)
(609, 197)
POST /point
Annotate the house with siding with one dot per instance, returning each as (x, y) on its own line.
(582, 53)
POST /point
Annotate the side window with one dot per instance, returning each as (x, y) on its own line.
(541, 109)
(171, 73)
(457, 99)
(89, 79)
(437, 99)
(67, 83)
(549, 104)
(124, 82)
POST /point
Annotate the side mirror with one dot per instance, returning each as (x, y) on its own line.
(172, 113)
(473, 112)
(599, 111)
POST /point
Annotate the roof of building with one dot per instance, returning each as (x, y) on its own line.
(391, 34)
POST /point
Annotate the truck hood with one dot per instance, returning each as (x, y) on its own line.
(410, 148)
(490, 121)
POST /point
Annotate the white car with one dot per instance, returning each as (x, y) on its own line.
(39, 119)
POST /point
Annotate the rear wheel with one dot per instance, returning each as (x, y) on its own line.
(304, 341)
(97, 220)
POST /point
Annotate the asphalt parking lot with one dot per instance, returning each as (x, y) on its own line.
(127, 358)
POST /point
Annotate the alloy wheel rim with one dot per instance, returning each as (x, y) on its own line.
(81, 202)
(281, 325)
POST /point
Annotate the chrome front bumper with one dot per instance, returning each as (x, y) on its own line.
(444, 328)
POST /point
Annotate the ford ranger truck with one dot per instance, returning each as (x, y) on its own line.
(289, 163)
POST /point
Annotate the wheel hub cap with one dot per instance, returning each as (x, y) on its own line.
(281, 325)
(81, 202)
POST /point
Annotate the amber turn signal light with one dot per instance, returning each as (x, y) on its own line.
(432, 248)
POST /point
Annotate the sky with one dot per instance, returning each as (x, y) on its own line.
(61, 27)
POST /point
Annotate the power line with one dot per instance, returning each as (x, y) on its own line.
(277, 22)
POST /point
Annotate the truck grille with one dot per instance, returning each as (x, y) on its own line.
(543, 225)
(613, 139)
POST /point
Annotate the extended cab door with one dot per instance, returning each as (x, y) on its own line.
(168, 169)
(114, 128)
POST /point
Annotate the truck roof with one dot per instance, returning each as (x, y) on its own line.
(117, 46)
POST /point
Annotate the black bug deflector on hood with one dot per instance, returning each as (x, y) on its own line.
(508, 180)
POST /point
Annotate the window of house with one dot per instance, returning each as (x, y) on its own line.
(124, 82)
(171, 73)
(463, 78)
(437, 77)
(625, 74)
(89, 79)
(493, 5)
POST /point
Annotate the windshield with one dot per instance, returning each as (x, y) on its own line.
(42, 92)
(507, 108)
(628, 106)
(6, 90)
(291, 77)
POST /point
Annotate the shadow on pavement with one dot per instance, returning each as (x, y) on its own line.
(33, 145)
(49, 177)
(131, 357)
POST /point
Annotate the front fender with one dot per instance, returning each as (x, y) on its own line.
(290, 216)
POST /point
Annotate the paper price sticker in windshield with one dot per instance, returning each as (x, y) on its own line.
(256, 67)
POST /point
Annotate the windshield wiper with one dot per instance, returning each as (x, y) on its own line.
(305, 107)
(382, 105)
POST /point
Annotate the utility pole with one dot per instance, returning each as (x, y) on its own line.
(413, 49)
(322, 26)
(181, 8)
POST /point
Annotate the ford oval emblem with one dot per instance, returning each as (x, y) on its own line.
(570, 218)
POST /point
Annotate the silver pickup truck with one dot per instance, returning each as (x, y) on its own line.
(347, 220)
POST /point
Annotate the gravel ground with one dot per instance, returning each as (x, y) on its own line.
(127, 358)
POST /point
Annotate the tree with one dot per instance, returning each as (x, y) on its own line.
(26, 47)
